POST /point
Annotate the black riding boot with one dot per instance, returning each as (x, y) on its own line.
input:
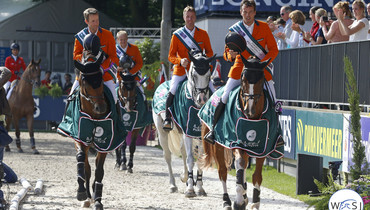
(167, 125)
(210, 136)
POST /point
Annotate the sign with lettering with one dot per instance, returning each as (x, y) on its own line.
(4, 52)
(204, 7)
(287, 123)
(320, 133)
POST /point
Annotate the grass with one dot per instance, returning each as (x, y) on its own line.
(279, 182)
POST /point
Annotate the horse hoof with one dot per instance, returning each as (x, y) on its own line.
(201, 192)
(36, 152)
(81, 196)
(123, 167)
(184, 177)
(227, 206)
(190, 194)
(98, 206)
(173, 189)
(116, 166)
(7, 149)
(129, 170)
(20, 150)
(243, 206)
(86, 203)
(255, 206)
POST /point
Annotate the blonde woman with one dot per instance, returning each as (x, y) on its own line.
(333, 34)
(296, 38)
(358, 30)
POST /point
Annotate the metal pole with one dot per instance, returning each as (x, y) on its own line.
(166, 26)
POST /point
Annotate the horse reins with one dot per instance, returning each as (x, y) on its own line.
(125, 99)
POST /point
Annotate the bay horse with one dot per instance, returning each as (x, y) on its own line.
(91, 120)
(22, 104)
(134, 112)
(189, 98)
(249, 103)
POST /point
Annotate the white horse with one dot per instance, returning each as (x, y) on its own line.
(190, 96)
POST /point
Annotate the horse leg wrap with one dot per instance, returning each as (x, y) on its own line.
(118, 156)
(199, 177)
(98, 191)
(240, 178)
(18, 142)
(256, 195)
(190, 176)
(80, 168)
(226, 199)
(33, 143)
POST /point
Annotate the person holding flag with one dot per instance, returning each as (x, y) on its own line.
(183, 41)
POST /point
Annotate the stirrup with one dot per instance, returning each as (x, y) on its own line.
(167, 124)
(210, 137)
(278, 107)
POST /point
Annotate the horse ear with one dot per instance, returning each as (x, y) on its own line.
(191, 56)
(210, 59)
(79, 66)
(39, 61)
(266, 62)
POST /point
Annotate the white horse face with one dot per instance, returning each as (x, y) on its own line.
(199, 75)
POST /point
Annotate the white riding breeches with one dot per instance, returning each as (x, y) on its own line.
(175, 82)
(230, 84)
(271, 90)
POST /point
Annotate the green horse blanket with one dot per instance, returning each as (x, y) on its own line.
(259, 138)
(106, 134)
(184, 111)
(139, 118)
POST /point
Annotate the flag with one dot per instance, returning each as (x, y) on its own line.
(162, 74)
(217, 70)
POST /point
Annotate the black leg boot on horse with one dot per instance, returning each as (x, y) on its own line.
(210, 136)
(98, 192)
(81, 178)
(167, 125)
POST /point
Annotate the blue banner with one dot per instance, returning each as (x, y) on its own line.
(48, 108)
(203, 7)
(288, 125)
(4, 52)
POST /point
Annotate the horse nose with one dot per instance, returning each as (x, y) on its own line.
(100, 108)
(202, 98)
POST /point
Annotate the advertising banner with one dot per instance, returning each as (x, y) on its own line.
(48, 108)
(4, 52)
(287, 122)
(203, 7)
(321, 134)
(347, 140)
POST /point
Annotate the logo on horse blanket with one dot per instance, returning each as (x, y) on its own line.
(258, 138)
(106, 134)
(183, 110)
(139, 118)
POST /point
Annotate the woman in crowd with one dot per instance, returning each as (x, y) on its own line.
(319, 37)
(296, 38)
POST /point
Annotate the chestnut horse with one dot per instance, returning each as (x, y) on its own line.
(22, 104)
(251, 102)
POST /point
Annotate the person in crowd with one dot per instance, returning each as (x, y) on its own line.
(296, 38)
(14, 63)
(46, 81)
(284, 13)
(124, 47)
(280, 25)
(56, 79)
(333, 34)
(108, 47)
(273, 27)
(319, 37)
(315, 26)
(183, 40)
(68, 84)
(358, 30)
(253, 31)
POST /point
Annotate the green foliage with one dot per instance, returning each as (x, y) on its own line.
(55, 91)
(149, 50)
(42, 91)
(151, 71)
(362, 187)
(359, 158)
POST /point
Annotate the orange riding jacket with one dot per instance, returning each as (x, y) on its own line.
(134, 53)
(108, 44)
(179, 51)
(263, 34)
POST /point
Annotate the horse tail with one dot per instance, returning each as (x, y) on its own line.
(208, 157)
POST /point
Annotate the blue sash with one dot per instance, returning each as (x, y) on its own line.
(187, 40)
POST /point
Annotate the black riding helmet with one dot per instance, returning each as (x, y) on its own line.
(14, 46)
(235, 41)
(92, 44)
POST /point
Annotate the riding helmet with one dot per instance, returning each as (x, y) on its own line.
(14, 46)
(235, 41)
(92, 43)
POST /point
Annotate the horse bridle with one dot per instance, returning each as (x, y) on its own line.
(30, 81)
(88, 97)
(125, 99)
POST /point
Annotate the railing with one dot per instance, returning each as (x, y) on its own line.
(154, 33)
(316, 74)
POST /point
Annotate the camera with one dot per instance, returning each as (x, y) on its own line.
(334, 167)
(325, 18)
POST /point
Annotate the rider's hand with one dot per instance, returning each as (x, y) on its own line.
(184, 62)
(233, 54)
